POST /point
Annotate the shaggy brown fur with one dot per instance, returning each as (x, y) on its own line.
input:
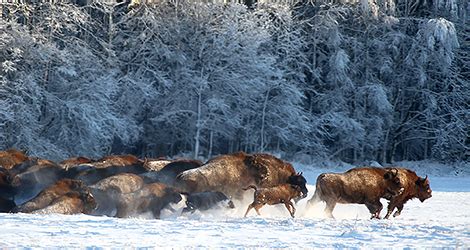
(283, 193)
(108, 191)
(414, 187)
(11, 157)
(109, 166)
(75, 161)
(70, 203)
(34, 177)
(232, 172)
(51, 193)
(365, 185)
(151, 198)
(168, 173)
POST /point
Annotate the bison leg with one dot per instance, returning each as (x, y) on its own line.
(390, 209)
(248, 209)
(254, 205)
(374, 209)
(398, 212)
(330, 205)
(290, 207)
(257, 208)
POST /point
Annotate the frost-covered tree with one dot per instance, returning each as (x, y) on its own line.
(62, 90)
(352, 80)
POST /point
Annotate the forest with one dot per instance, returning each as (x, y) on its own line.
(349, 80)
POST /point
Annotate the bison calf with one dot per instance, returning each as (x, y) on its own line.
(283, 193)
(364, 185)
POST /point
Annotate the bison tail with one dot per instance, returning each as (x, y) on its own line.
(250, 186)
(317, 196)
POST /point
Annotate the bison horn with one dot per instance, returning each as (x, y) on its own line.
(396, 171)
(425, 178)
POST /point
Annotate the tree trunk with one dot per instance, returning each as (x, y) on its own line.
(211, 137)
(198, 124)
(263, 117)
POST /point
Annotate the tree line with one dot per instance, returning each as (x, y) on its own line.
(368, 80)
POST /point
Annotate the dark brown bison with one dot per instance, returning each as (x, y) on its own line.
(70, 203)
(414, 187)
(34, 176)
(151, 198)
(12, 157)
(108, 191)
(365, 185)
(230, 173)
(7, 193)
(206, 200)
(281, 194)
(51, 193)
(6, 184)
(109, 166)
(168, 173)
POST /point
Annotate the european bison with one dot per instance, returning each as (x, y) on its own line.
(365, 185)
(108, 191)
(206, 200)
(414, 187)
(283, 193)
(6, 191)
(151, 198)
(35, 175)
(230, 173)
(168, 173)
(109, 166)
(70, 203)
(51, 193)
(6, 184)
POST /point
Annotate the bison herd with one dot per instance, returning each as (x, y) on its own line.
(126, 186)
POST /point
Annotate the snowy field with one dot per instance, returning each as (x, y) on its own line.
(441, 221)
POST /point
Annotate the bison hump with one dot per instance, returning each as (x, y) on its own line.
(268, 170)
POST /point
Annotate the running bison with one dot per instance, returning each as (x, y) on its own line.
(109, 166)
(365, 185)
(230, 173)
(47, 196)
(33, 176)
(283, 193)
(70, 203)
(170, 171)
(7, 192)
(151, 198)
(108, 191)
(414, 187)
(206, 200)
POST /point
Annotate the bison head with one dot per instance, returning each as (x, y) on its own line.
(89, 202)
(424, 190)
(300, 181)
(394, 185)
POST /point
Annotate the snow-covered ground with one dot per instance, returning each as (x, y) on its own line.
(441, 221)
